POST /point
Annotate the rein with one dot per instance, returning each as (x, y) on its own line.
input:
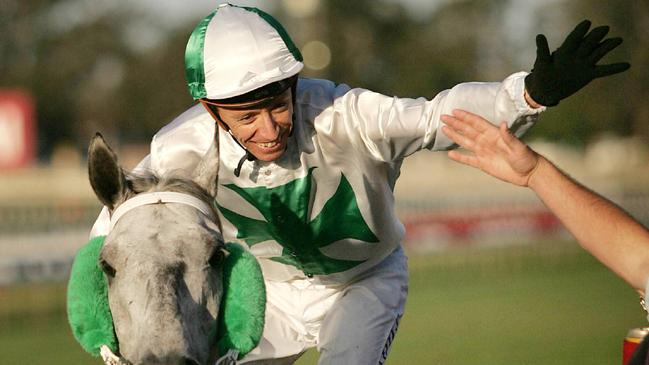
(160, 197)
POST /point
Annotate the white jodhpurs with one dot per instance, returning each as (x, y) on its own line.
(350, 324)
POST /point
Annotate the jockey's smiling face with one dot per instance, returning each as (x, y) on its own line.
(262, 126)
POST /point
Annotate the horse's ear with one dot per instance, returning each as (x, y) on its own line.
(106, 176)
(207, 170)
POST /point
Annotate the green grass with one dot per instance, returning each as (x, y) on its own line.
(537, 304)
(516, 306)
(34, 328)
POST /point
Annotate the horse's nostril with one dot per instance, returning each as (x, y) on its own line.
(189, 361)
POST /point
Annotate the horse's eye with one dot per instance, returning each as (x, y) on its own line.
(217, 258)
(106, 268)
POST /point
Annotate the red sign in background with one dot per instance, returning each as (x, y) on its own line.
(17, 130)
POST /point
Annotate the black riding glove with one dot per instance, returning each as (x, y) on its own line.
(572, 66)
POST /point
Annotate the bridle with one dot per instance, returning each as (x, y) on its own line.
(160, 197)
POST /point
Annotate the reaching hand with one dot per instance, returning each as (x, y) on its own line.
(495, 151)
(572, 66)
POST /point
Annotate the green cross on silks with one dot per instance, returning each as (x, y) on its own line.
(286, 208)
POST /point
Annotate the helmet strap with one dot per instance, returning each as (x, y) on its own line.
(248, 156)
(220, 123)
(215, 115)
(293, 99)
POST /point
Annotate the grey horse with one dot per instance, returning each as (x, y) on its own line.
(162, 261)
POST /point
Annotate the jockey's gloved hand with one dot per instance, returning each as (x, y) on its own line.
(572, 66)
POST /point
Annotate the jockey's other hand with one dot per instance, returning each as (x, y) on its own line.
(573, 65)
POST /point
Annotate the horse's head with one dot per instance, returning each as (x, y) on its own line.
(162, 259)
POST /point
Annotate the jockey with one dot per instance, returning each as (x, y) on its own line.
(307, 172)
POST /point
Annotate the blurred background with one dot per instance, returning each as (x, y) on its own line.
(494, 277)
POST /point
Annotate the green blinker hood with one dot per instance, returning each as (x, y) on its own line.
(241, 317)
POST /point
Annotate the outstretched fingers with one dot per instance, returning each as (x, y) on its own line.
(573, 40)
(542, 49)
(466, 159)
(476, 123)
(612, 69)
(469, 130)
(459, 130)
(494, 149)
(459, 126)
(452, 133)
(464, 135)
(604, 48)
(592, 40)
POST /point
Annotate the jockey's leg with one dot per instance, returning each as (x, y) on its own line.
(295, 310)
(361, 324)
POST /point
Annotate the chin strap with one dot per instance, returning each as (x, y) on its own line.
(248, 156)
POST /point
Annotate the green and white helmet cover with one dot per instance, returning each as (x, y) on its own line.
(235, 50)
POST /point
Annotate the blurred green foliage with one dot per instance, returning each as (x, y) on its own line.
(119, 69)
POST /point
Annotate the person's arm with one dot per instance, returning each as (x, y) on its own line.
(392, 128)
(600, 227)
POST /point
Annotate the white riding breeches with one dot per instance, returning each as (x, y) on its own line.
(350, 324)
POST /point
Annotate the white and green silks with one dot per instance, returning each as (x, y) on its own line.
(235, 50)
(326, 207)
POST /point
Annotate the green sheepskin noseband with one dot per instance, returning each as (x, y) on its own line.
(241, 317)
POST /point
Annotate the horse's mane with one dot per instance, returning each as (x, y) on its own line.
(143, 182)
